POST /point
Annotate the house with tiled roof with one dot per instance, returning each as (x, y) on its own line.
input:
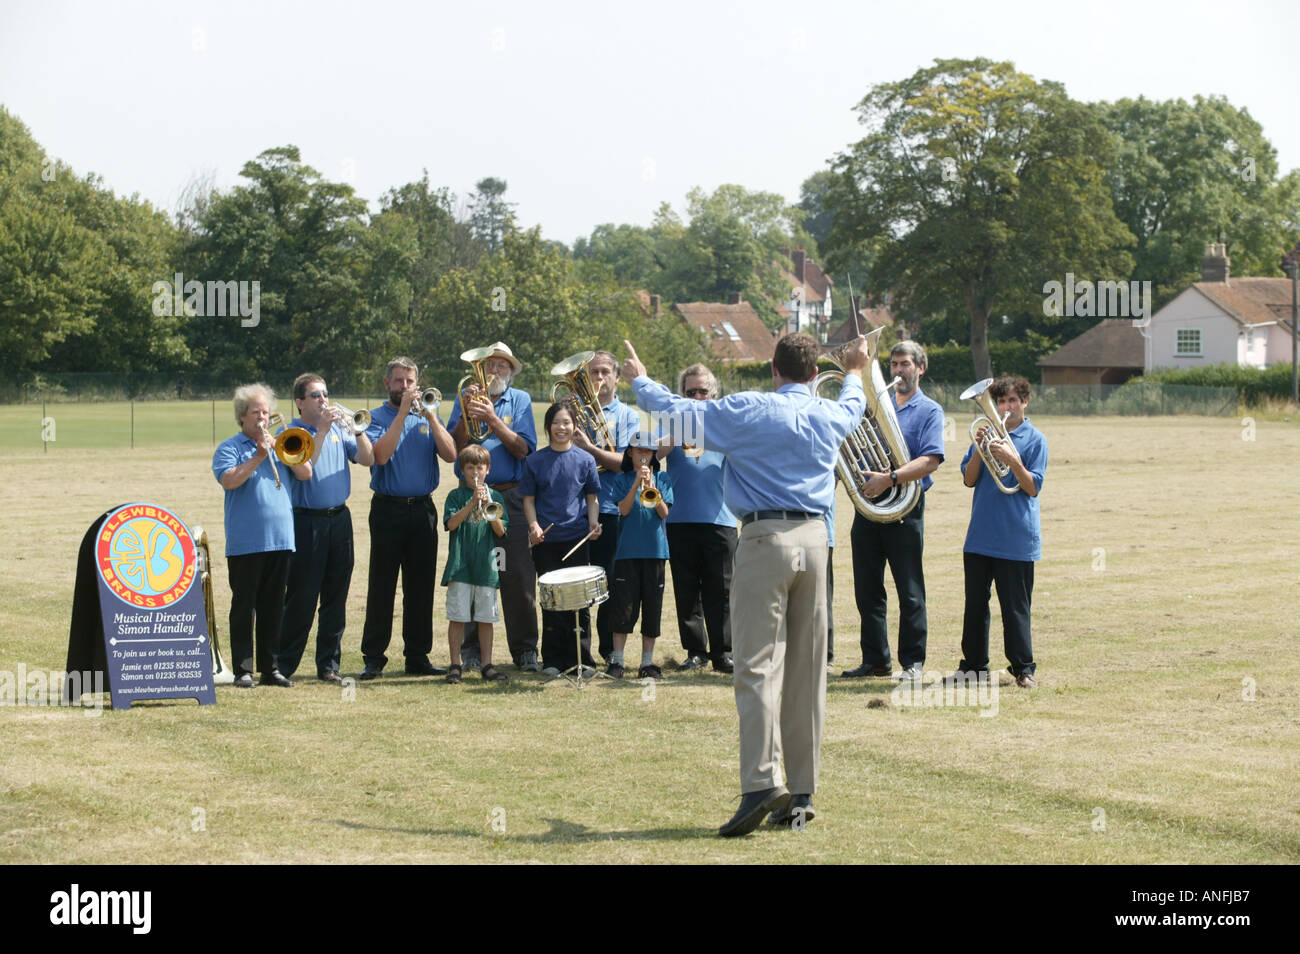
(808, 308)
(868, 319)
(1108, 353)
(734, 330)
(1246, 321)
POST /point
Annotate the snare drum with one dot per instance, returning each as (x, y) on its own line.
(572, 588)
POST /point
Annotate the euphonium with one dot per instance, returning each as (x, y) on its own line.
(293, 445)
(355, 421)
(478, 377)
(996, 425)
(876, 444)
(582, 398)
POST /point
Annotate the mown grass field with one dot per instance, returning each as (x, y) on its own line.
(1164, 728)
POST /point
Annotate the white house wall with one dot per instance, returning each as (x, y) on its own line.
(1191, 309)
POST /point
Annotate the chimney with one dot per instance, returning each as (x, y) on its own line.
(654, 306)
(1214, 266)
(797, 257)
(734, 298)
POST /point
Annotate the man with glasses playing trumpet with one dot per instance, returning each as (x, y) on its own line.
(491, 413)
(408, 439)
(321, 566)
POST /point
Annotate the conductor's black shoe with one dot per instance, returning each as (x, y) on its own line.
(691, 662)
(275, 678)
(422, 667)
(799, 813)
(724, 663)
(753, 806)
(371, 672)
(244, 681)
(865, 670)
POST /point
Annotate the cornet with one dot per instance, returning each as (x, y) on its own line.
(428, 400)
(354, 421)
(650, 497)
(996, 425)
(489, 511)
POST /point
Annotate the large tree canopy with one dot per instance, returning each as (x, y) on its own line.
(976, 184)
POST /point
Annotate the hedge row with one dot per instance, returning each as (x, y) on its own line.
(1252, 384)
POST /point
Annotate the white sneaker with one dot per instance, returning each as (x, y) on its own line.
(910, 674)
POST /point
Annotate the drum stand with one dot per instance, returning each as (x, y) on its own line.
(574, 674)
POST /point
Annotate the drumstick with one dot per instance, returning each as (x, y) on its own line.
(544, 533)
(576, 545)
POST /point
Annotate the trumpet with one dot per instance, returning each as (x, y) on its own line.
(479, 379)
(876, 444)
(428, 400)
(996, 430)
(649, 497)
(293, 445)
(488, 511)
(354, 421)
(579, 395)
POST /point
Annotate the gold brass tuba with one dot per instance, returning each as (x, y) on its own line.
(478, 377)
(875, 444)
(997, 431)
(293, 445)
(582, 399)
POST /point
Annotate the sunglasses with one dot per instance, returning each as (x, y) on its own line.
(318, 394)
(697, 392)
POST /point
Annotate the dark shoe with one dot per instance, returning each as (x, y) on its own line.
(275, 678)
(865, 670)
(691, 663)
(371, 672)
(245, 681)
(615, 671)
(1026, 681)
(453, 675)
(753, 806)
(724, 663)
(422, 667)
(329, 675)
(492, 674)
(801, 806)
(650, 672)
(528, 662)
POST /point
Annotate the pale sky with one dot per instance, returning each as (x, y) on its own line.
(592, 112)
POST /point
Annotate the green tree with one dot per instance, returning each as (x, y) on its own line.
(975, 185)
(490, 214)
(1190, 173)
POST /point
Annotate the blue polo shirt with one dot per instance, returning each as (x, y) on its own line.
(259, 517)
(641, 534)
(697, 487)
(412, 471)
(1006, 525)
(921, 421)
(623, 422)
(781, 446)
(515, 408)
(330, 482)
(558, 482)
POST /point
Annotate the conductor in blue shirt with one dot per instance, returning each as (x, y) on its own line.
(778, 594)
(321, 567)
(403, 522)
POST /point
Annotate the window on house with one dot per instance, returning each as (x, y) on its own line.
(1187, 342)
(731, 330)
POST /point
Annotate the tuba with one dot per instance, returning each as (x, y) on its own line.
(875, 444)
(477, 378)
(579, 395)
(293, 445)
(996, 425)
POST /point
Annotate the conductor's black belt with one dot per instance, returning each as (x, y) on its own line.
(749, 518)
(321, 513)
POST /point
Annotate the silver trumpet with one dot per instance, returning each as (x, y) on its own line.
(354, 421)
(996, 425)
(429, 399)
(488, 511)
(876, 444)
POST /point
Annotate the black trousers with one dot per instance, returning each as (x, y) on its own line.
(701, 556)
(558, 636)
(256, 592)
(1015, 583)
(403, 537)
(830, 604)
(518, 584)
(603, 549)
(900, 545)
(321, 568)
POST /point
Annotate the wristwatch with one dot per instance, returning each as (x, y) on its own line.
(893, 475)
